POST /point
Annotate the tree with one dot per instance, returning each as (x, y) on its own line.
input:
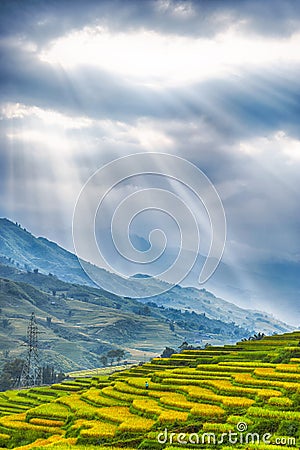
(184, 346)
(111, 355)
(168, 352)
(11, 373)
(49, 375)
(104, 360)
(119, 353)
(256, 337)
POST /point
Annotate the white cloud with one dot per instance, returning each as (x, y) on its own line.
(47, 116)
(145, 134)
(158, 60)
(278, 146)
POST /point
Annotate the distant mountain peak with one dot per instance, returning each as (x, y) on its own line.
(140, 275)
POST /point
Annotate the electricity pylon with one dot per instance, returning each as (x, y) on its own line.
(31, 373)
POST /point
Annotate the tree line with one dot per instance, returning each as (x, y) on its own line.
(111, 356)
(12, 370)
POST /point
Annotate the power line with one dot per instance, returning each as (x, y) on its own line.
(31, 373)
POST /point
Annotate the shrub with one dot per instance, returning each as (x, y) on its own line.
(296, 401)
(263, 426)
(288, 428)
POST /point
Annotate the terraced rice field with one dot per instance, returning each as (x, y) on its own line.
(249, 392)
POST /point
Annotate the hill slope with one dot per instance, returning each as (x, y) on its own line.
(203, 301)
(84, 322)
(21, 249)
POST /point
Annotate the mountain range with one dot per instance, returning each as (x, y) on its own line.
(79, 321)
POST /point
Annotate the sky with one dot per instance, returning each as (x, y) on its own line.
(213, 82)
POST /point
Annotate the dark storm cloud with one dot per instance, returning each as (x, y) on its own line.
(42, 20)
(255, 102)
(91, 91)
(237, 106)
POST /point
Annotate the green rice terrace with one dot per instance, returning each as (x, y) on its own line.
(238, 396)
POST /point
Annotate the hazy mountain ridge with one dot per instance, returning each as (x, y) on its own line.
(21, 249)
(203, 301)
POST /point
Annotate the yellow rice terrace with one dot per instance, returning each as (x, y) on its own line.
(243, 396)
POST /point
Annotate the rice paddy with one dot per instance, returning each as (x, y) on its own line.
(255, 383)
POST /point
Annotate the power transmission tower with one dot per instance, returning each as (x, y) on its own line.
(31, 373)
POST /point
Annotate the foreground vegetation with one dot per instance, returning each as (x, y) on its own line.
(250, 387)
